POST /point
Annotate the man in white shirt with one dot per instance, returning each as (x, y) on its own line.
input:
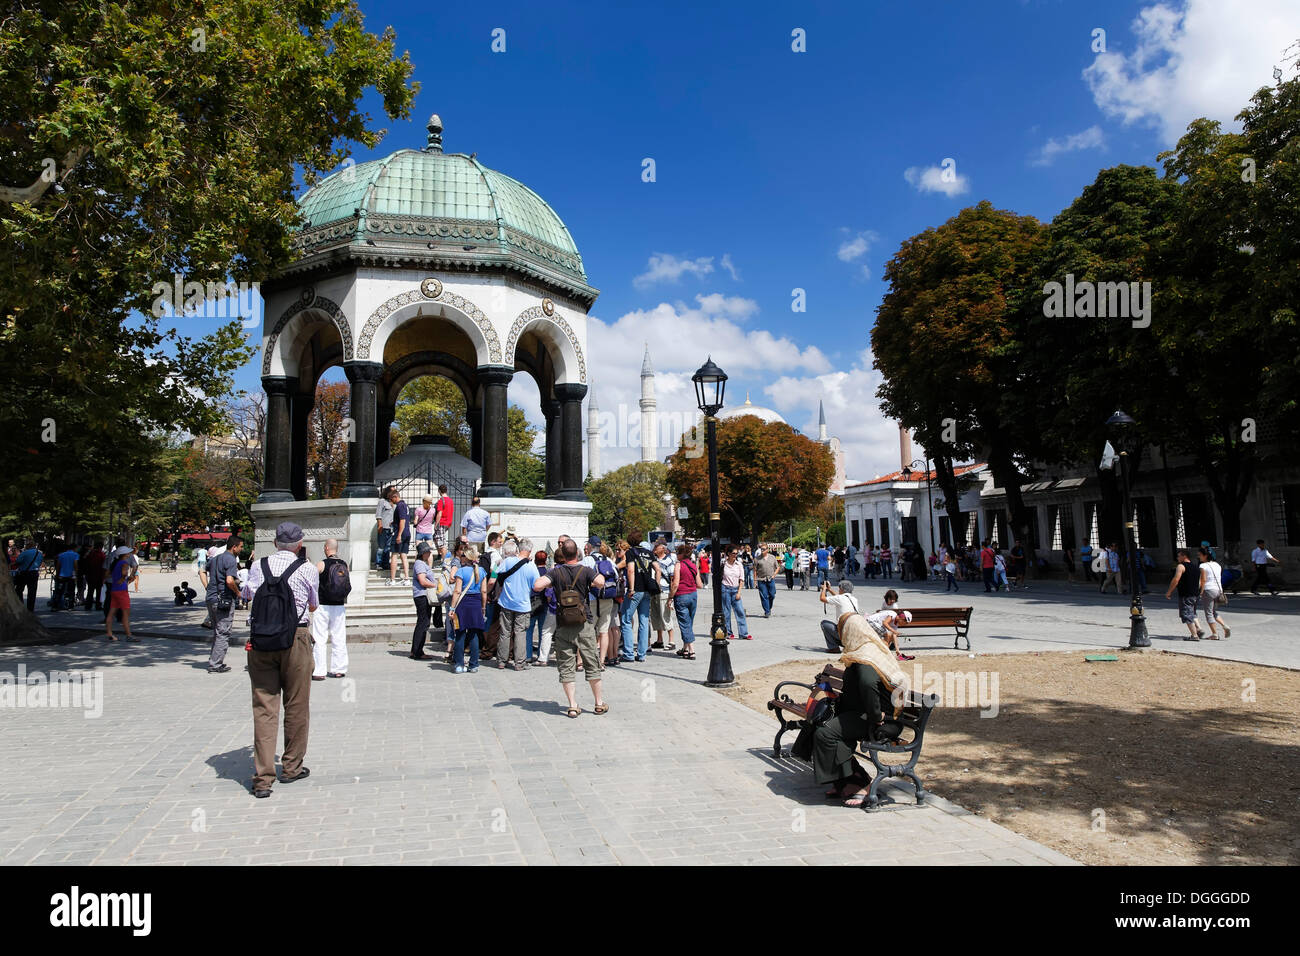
(802, 563)
(837, 605)
(1262, 557)
(661, 605)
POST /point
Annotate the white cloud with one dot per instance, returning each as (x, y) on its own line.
(666, 267)
(854, 248)
(729, 266)
(1090, 138)
(937, 179)
(869, 439)
(1198, 58)
(681, 336)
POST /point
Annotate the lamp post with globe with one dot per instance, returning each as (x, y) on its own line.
(1121, 428)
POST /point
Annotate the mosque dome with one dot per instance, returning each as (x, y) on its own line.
(749, 408)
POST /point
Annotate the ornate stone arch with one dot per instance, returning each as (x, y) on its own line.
(400, 301)
(307, 301)
(537, 314)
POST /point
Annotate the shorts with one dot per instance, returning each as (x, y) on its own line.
(440, 537)
(661, 612)
(120, 599)
(574, 641)
(403, 546)
(1187, 608)
(602, 611)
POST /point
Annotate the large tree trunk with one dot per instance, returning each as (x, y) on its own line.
(945, 477)
(17, 624)
(1007, 477)
(1230, 483)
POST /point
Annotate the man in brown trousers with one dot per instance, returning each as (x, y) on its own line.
(284, 672)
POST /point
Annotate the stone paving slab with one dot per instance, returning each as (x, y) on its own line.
(419, 765)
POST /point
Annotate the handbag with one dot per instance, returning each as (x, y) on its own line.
(1220, 599)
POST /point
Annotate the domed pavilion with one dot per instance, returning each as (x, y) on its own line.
(425, 263)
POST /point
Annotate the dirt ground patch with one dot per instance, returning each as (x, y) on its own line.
(1156, 758)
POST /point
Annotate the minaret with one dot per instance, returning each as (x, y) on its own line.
(593, 435)
(649, 418)
(821, 423)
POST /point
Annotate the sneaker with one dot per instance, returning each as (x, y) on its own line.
(458, 669)
(221, 669)
(906, 657)
(1227, 632)
(748, 637)
(1190, 638)
(639, 660)
(474, 669)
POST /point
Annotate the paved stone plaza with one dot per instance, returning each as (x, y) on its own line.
(413, 764)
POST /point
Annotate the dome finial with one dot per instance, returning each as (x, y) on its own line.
(435, 134)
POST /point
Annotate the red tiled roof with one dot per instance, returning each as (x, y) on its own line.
(917, 476)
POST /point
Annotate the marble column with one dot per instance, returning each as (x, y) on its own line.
(301, 406)
(554, 480)
(475, 418)
(384, 417)
(364, 377)
(570, 396)
(278, 438)
(495, 381)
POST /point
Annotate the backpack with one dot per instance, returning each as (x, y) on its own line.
(494, 589)
(614, 583)
(647, 580)
(570, 608)
(336, 585)
(274, 619)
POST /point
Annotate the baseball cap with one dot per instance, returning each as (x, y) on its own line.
(906, 616)
(594, 541)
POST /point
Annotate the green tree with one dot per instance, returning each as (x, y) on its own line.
(173, 136)
(767, 472)
(327, 441)
(627, 499)
(946, 342)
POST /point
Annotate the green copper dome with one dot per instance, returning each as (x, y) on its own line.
(442, 208)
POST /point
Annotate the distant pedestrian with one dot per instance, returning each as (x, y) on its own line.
(423, 585)
(284, 590)
(823, 565)
(1261, 557)
(803, 564)
(121, 571)
(662, 616)
(443, 515)
(787, 564)
(642, 586)
(950, 573)
(887, 562)
(837, 605)
(1187, 582)
(1085, 559)
(401, 539)
(732, 576)
(94, 563)
(422, 520)
(384, 524)
(474, 524)
(1111, 569)
(987, 564)
(1000, 571)
(219, 596)
(329, 623)
(1211, 587)
(27, 572)
(65, 579)
(684, 592)
(747, 562)
(467, 601)
(765, 577)
(513, 588)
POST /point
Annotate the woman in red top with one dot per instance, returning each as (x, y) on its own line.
(682, 592)
(704, 566)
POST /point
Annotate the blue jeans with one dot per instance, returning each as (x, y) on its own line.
(685, 605)
(384, 548)
(459, 649)
(636, 615)
(534, 621)
(749, 577)
(888, 568)
(767, 594)
(952, 581)
(822, 577)
(730, 602)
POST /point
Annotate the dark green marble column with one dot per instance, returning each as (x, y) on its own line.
(278, 438)
(364, 377)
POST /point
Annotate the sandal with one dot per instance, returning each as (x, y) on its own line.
(683, 652)
(572, 712)
(602, 708)
(658, 645)
(858, 799)
(670, 647)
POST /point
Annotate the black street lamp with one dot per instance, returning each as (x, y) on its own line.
(1121, 428)
(929, 492)
(710, 383)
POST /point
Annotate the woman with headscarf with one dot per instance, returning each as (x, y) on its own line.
(871, 676)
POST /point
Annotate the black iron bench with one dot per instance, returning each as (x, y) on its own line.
(901, 735)
(958, 618)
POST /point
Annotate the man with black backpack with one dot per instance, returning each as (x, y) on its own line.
(574, 634)
(329, 625)
(284, 589)
(223, 585)
(642, 588)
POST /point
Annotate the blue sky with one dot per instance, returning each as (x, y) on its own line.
(795, 166)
